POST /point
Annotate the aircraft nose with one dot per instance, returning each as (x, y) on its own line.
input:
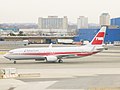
(6, 56)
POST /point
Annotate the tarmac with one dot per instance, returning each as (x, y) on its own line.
(96, 72)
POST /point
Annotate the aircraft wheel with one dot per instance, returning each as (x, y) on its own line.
(60, 61)
(14, 62)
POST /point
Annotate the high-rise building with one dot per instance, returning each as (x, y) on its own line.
(105, 19)
(115, 21)
(53, 22)
(82, 22)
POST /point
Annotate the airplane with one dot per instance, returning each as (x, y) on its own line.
(56, 54)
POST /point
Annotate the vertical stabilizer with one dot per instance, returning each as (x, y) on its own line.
(99, 38)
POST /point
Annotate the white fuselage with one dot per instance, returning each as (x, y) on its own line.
(39, 53)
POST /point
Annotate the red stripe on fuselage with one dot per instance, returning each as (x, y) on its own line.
(86, 54)
(61, 53)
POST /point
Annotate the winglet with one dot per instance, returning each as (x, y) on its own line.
(99, 38)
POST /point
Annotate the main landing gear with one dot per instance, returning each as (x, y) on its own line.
(14, 62)
(60, 61)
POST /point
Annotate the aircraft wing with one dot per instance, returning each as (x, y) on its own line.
(66, 56)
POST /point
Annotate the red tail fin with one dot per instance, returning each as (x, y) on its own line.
(99, 38)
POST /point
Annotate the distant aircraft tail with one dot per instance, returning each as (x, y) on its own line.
(99, 38)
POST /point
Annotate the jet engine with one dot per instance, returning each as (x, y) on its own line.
(51, 58)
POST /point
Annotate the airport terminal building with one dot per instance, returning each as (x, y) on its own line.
(112, 34)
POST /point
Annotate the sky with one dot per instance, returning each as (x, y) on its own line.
(28, 11)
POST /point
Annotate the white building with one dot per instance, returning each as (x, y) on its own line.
(105, 19)
(52, 25)
(82, 22)
(53, 22)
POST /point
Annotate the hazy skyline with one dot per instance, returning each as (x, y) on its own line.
(28, 11)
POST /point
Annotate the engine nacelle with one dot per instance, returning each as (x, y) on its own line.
(51, 58)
